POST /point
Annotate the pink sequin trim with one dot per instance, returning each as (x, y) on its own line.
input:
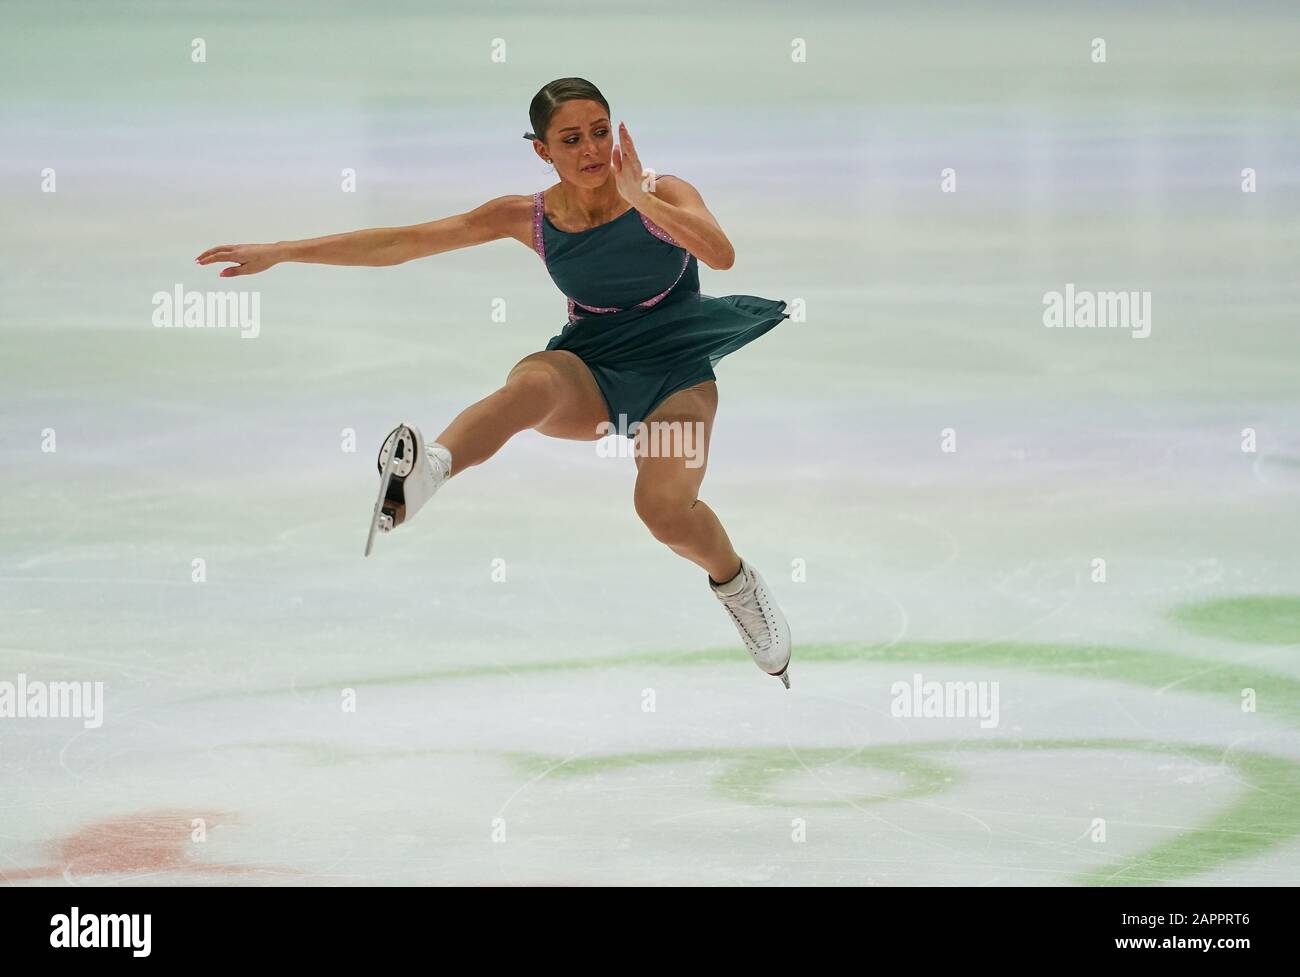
(539, 239)
(658, 231)
(686, 260)
(595, 308)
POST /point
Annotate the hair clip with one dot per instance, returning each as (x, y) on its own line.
(529, 135)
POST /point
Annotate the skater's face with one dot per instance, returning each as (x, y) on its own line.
(580, 143)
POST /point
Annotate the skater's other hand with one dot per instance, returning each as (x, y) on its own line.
(627, 168)
(249, 259)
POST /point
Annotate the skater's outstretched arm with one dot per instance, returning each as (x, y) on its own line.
(378, 246)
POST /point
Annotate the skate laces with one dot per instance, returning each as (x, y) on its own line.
(745, 608)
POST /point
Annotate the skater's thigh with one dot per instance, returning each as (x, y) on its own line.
(578, 407)
(673, 443)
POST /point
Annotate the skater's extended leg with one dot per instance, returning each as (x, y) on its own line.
(666, 501)
(551, 392)
(668, 484)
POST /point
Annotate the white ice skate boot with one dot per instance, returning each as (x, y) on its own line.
(410, 472)
(759, 620)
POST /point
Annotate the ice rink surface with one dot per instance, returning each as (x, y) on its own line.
(524, 686)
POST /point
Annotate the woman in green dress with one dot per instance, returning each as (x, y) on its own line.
(635, 357)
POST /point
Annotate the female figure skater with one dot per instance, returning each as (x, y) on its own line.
(639, 347)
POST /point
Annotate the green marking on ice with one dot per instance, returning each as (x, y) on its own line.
(1265, 619)
(1150, 669)
(1266, 815)
(748, 775)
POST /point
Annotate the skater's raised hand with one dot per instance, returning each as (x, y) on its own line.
(249, 259)
(627, 168)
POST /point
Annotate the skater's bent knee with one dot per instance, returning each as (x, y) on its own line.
(552, 363)
(666, 514)
(534, 379)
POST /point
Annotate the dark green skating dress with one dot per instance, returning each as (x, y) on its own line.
(636, 315)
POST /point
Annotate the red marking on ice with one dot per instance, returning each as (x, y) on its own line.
(136, 844)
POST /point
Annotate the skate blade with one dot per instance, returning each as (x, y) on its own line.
(379, 516)
(785, 677)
